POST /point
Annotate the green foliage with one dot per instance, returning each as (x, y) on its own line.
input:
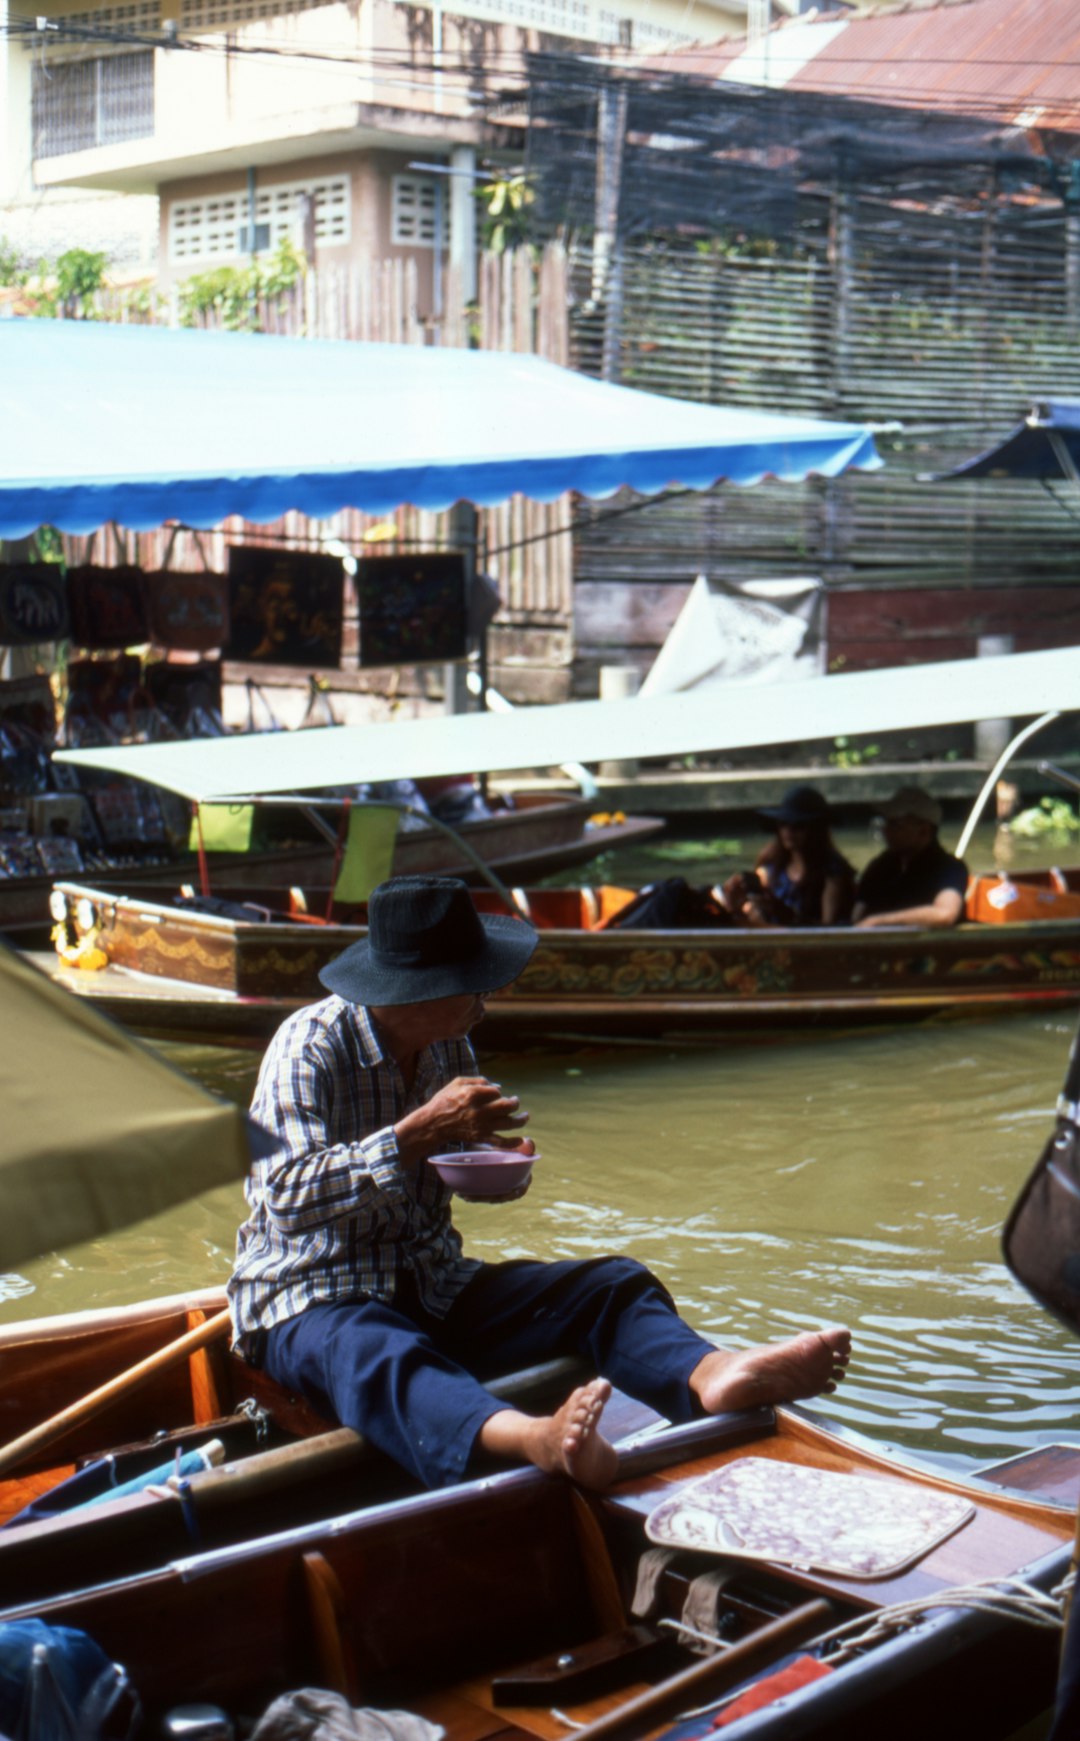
(48, 545)
(729, 244)
(80, 274)
(11, 272)
(234, 293)
(140, 303)
(845, 754)
(1050, 819)
(506, 201)
(68, 289)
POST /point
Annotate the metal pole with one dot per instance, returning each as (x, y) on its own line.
(992, 777)
(304, 803)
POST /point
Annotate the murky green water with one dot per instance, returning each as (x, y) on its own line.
(862, 1177)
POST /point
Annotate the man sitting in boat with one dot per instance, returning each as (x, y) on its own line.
(914, 881)
(350, 1284)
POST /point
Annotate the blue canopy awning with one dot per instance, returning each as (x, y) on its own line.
(141, 425)
(1046, 446)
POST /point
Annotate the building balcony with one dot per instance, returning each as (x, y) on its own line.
(300, 84)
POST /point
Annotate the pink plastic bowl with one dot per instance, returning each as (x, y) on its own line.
(483, 1172)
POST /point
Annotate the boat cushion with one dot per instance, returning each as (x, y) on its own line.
(854, 1526)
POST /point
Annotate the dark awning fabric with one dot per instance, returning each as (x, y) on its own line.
(142, 425)
(1045, 446)
(124, 1135)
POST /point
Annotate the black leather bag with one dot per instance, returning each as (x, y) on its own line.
(671, 905)
(1041, 1238)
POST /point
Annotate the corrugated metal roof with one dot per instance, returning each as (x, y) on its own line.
(1016, 62)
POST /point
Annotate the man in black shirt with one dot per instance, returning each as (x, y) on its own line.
(914, 881)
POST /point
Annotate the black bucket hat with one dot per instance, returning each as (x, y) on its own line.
(800, 804)
(426, 940)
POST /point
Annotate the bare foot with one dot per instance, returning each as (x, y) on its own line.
(808, 1365)
(565, 1443)
(571, 1443)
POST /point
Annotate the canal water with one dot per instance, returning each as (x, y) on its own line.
(861, 1177)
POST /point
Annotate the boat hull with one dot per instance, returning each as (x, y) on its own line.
(446, 1603)
(178, 974)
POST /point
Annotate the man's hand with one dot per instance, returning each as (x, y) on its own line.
(469, 1110)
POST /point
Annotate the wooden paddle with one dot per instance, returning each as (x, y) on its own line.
(88, 1406)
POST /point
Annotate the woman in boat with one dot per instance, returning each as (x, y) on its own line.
(351, 1285)
(810, 882)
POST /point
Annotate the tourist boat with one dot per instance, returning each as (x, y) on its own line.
(172, 971)
(534, 834)
(829, 1590)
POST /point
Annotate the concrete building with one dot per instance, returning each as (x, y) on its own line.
(354, 126)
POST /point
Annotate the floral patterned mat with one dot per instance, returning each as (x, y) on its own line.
(854, 1526)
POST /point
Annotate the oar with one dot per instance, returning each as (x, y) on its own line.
(707, 1680)
(88, 1406)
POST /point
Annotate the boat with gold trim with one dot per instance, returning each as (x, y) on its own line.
(232, 974)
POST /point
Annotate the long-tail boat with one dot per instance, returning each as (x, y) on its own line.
(534, 835)
(176, 972)
(799, 1585)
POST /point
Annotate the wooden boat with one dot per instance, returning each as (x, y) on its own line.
(127, 1383)
(535, 836)
(181, 974)
(505, 1607)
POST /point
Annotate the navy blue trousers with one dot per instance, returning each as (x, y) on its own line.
(413, 1384)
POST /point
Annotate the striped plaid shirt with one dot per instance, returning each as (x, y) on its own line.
(334, 1215)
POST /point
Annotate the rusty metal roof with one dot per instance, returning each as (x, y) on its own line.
(1016, 62)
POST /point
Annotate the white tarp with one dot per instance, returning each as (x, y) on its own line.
(759, 631)
(739, 716)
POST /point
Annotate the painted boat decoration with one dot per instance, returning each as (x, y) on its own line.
(176, 972)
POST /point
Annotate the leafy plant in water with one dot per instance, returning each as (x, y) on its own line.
(845, 754)
(1050, 819)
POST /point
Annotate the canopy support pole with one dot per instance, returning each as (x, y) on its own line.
(1056, 773)
(330, 834)
(991, 780)
(1062, 454)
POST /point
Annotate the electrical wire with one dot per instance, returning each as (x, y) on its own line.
(969, 101)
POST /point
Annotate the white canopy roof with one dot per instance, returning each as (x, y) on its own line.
(738, 717)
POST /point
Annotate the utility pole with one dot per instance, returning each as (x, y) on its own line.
(607, 281)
